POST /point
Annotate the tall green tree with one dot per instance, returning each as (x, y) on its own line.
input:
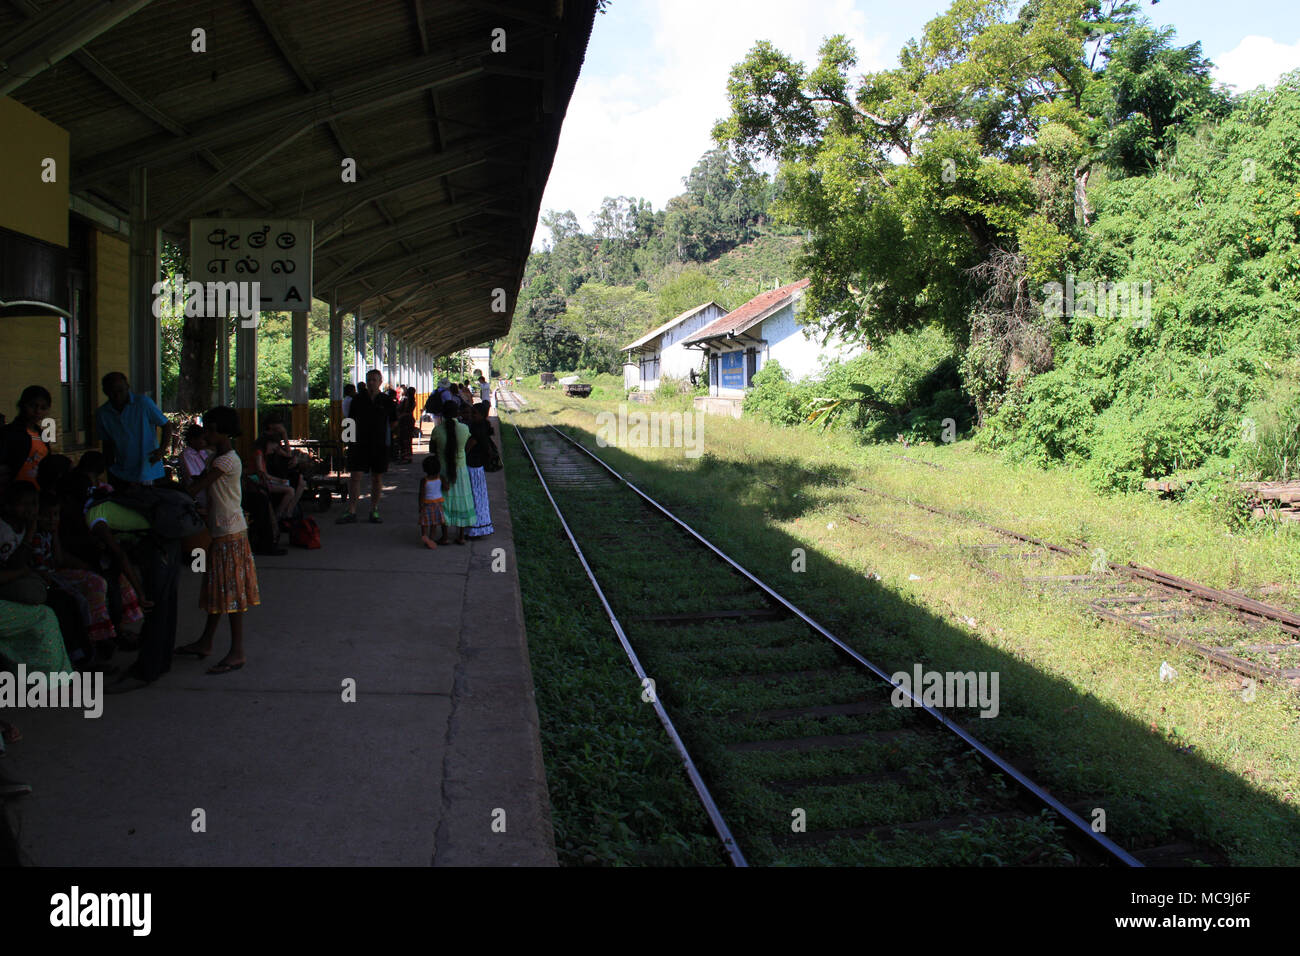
(947, 189)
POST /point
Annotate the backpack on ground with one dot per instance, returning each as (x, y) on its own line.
(304, 532)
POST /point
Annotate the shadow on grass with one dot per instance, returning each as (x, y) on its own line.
(1153, 791)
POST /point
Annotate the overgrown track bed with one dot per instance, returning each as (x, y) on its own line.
(793, 733)
(1228, 629)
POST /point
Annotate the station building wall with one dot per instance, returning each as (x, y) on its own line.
(39, 209)
(109, 308)
(670, 357)
(785, 341)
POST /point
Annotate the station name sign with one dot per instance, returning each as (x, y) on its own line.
(275, 253)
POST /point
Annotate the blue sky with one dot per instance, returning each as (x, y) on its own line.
(655, 76)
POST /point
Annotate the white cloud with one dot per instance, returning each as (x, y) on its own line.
(1256, 61)
(640, 131)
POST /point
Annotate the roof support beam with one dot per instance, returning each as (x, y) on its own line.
(220, 180)
(95, 68)
(312, 109)
(66, 29)
(418, 257)
(410, 226)
(508, 12)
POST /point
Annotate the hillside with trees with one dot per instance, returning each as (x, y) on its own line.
(587, 294)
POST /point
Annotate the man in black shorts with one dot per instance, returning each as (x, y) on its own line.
(371, 416)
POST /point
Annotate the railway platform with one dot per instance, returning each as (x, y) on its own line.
(436, 761)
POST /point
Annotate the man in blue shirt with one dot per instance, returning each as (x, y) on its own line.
(126, 424)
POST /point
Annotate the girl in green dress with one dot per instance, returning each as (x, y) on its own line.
(458, 496)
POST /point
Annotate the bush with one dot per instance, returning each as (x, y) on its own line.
(773, 398)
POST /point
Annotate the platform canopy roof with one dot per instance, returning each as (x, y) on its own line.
(453, 140)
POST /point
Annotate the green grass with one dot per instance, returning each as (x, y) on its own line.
(618, 795)
(1082, 703)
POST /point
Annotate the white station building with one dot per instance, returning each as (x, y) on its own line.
(769, 327)
(662, 351)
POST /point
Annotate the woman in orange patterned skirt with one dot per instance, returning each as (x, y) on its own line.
(230, 576)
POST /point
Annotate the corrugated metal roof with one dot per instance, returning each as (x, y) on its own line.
(670, 324)
(453, 149)
(751, 313)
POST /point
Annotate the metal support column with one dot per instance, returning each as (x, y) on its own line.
(300, 425)
(144, 359)
(246, 385)
(223, 361)
(336, 364)
(358, 347)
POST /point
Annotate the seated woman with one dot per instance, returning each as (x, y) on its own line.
(22, 583)
(21, 445)
(282, 492)
(106, 519)
(72, 574)
(29, 634)
(281, 460)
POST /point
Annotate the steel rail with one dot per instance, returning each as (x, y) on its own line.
(1076, 822)
(697, 781)
(1284, 619)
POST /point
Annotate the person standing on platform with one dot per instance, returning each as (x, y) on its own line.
(125, 424)
(406, 423)
(450, 438)
(476, 459)
(373, 415)
(230, 578)
(484, 390)
(430, 500)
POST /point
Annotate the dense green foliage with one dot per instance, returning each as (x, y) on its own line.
(906, 389)
(1216, 230)
(1057, 188)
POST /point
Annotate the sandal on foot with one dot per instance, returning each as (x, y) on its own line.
(224, 668)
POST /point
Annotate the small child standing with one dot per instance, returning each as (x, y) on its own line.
(230, 578)
(430, 500)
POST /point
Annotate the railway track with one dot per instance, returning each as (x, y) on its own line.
(793, 740)
(1224, 627)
